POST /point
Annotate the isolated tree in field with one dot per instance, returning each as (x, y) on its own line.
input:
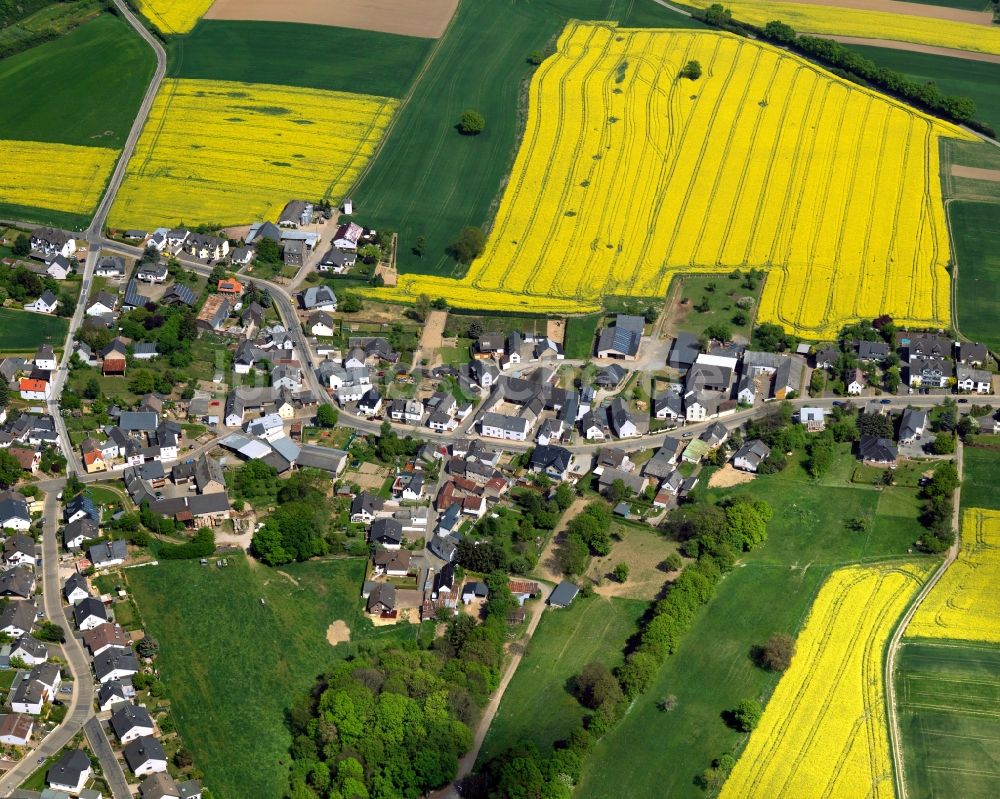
(472, 123)
(420, 246)
(620, 572)
(691, 70)
(468, 244)
(22, 244)
(746, 715)
(667, 703)
(596, 686)
(776, 654)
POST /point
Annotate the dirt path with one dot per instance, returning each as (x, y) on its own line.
(909, 9)
(976, 173)
(892, 44)
(424, 18)
(548, 564)
(431, 339)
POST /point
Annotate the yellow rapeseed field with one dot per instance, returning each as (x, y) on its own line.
(60, 177)
(628, 175)
(230, 153)
(174, 16)
(810, 18)
(824, 732)
(964, 604)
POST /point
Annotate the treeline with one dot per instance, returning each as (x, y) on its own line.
(21, 38)
(394, 722)
(714, 535)
(847, 64)
(300, 526)
(937, 513)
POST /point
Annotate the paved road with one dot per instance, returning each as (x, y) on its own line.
(895, 736)
(112, 769)
(81, 703)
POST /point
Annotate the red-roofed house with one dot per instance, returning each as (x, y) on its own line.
(28, 458)
(230, 285)
(32, 389)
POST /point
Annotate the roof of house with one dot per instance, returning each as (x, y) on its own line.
(142, 750)
(684, 351)
(563, 594)
(85, 608)
(384, 593)
(875, 448)
(105, 635)
(620, 339)
(386, 529)
(68, 769)
(753, 451)
(128, 717)
(108, 551)
(550, 457)
(317, 295)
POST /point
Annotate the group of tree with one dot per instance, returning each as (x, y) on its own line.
(22, 285)
(937, 513)
(395, 721)
(587, 534)
(298, 527)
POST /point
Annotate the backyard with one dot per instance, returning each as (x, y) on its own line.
(22, 331)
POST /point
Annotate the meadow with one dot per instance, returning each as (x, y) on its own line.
(947, 696)
(229, 153)
(608, 114)
(174, 16)
(592, 630)
(981, 476)
(963, 603)
(234, 665)
(810, 18)
(22, 331)
(770, 592)
(979, 80)
(974, 225)
(293, 54)
(824, 729)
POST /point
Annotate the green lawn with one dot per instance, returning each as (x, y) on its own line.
(114, 388)
(234, 666)
(290, 54)
(580, 335)
(721, 301)
(590, 630)
(83, 88)
(975, 228)
(770, 592)
(23, 331)
(981, 477)
(947, 696)
(978, 80)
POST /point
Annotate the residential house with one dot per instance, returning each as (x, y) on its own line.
(111, 267)
(336, 261)
(364, 507)
(877, 451)
(972, 354)
(108, 554)
(70, 773)
(16, 729)
(35, 689)
(871, 351)
(17, 618)
(551, 460)
(812, 418)
(152, 272)
(115, 664)
(89, 613)
(976, 381)
(392, 563)
(46, 303)
(715, 434)
(214, 312)
(386, 532)
(30, 650)
(14, 513)
(511, 428)
(669, 406)
(621, 341)
(112, 692)
(621, 420)
(348, 236)
(474, 590)
(111, 638)
(230, 286)
(751, 455)
(381, 600)
(130, 722)
(50, 241)
(855, 382)
(926, 345)
(79, 507)
(45, 358)
(634, 483)
(76, 589)
(484, 372)
(102, 304)
(318, 298)
(19, 550)
(930, 372)
(206, 247)
(144, 755)
(34, 389)
(370, 403)
(321, 324)
(610, 376)
(913, 425)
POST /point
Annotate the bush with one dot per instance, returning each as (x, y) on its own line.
(201, 546)
(472, 123)
(746, 715)
(776, 654)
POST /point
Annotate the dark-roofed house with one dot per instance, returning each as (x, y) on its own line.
(76, 589)
(18, 582)
(145, 755)
(621, 341)
(179, 294)
(610, 376)
(364, 507)
(877, 451)
(30, 650)
(130, 722)
(551, 460)
(318, 298)
(751, 455)
(78, 531)
(19, 550)
(563, 594)
(108, 554)
(382, 599)
(684, 351)
(89, 613)
(70, 772)
(912, 425)
(17, 618)
(387, 532)
(115, 664)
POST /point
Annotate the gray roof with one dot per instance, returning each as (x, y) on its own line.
(684, 350)
(386, 529)
(619, 339)
(19, 581)
(753, 451)
(563, 594)
(18, 614)
(137, 421)
(873, 448)
(142, 750)
(913, 419)
(88, 607)
(317, 295)
(112, 659)
(108, 551)
(128, 717)
(68, 769)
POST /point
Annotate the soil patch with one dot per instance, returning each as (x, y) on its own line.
(976, 173)
(424, 18)
(892, 44)
(555, 329)
(728, 476)
(338, 632)
(909, 9)
(433, 334)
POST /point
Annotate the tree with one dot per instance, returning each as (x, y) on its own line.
(369, 254)
(183, 758)
(563, 496)
(420, 246)
(50, 631)
(10, 469)
(422, 305)
(620, 572)
(596, 686)
(718, 15)
(327, 415)
(535, 57)
(92, 390)
(746, 715)
(673, 562)
(268, 251)
(720, 332)
(4, 394)
(691, 70)
(22, 244)
(770, 337)
(148, 647)
(472, 123)
(779, 32)
(944, 444)
(617, 491)
(350, 302)
(776, 654)
(468, 245)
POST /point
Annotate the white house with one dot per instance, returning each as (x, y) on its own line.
(321, 324)
(46, 303)
(34, 389)
(268, 427)
(130, 722)
(509, 428)
(70, 773)
(45, 358)
(145, 755)
(977, 381)
(58, 267)
(14, 513)
(51, 241)
(30, 650)
(856, 383)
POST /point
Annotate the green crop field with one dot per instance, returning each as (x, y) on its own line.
(979, 80)
(981, 476)
(22, 331)
(83, 88)
(772, 592)
(947, 696)
(974, 229)
(649, 14)
(234, 666)
(567, 639)
(291, 54)
(965, 5)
